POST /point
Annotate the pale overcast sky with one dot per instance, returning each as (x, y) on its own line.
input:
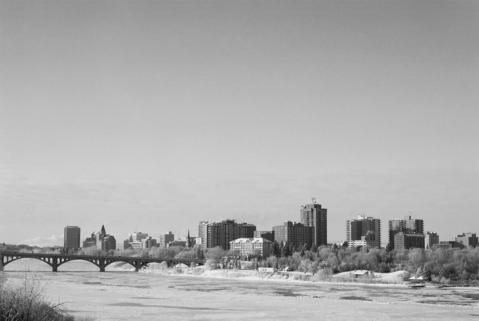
(154, 115)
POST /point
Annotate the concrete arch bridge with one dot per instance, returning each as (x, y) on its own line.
(56, 260)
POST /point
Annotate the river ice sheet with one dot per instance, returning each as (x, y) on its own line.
(83, 291)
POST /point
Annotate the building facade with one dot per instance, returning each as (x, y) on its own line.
(403, 241)
(71, 238)
(90, 241)
(408, 225)
(136, 237)
(221, 233)
(295, 234)
(363, 231)
(256, 246)
(467, 239)
(149, 242)
(268, 235)
(108, 243)
(203, 234)
(166, 239)
(432, 239)
(101, 240)
(317, 217)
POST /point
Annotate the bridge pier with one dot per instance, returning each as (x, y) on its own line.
(101, 264)
(54, 264)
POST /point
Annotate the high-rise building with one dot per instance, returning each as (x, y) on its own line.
(108, 243)
(467, 239)
(71, 238)
(295, 234)
(317, 217)
(403, 241)
(149, 243)
(203, 234)
(165, 239)
(431, 240)
(221, 233)
(363, 231)
(408, 225)
(90, 241)
(104, 241)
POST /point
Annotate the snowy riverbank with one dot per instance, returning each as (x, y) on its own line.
(352, 277)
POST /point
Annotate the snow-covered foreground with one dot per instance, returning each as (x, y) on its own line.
(159, 294)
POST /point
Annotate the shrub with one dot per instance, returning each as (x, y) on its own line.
(26, 304)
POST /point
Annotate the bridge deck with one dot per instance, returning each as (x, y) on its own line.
(102, 261)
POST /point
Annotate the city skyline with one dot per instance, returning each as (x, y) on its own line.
(407, 224)
(157, 115)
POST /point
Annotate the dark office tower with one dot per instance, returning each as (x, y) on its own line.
(317, 217)
(221, 233)
(408, 225)
(108, 243)
(296, 234)
(71, 241)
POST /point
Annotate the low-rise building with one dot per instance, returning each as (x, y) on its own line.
(467, 239)
(448, 245)
(256, 246)
(403, 241)
(177, 243)
(269, 235)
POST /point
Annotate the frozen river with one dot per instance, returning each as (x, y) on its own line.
(117, 295)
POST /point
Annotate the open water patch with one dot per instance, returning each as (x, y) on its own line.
(446, 302)
(178, 307)
(288, 293)
(92, 282)
(473, 296)
(354, 298)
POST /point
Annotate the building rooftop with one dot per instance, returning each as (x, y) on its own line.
(251, 240)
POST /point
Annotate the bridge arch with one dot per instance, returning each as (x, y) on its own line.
(136, 264)
(13, 259)
(92, 261)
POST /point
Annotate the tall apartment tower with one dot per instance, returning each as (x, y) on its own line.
(71, 238)
(203, 234)
(408, 225)
(317, 217)
(364, 231)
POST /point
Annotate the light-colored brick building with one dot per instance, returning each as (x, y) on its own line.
(252, 246)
